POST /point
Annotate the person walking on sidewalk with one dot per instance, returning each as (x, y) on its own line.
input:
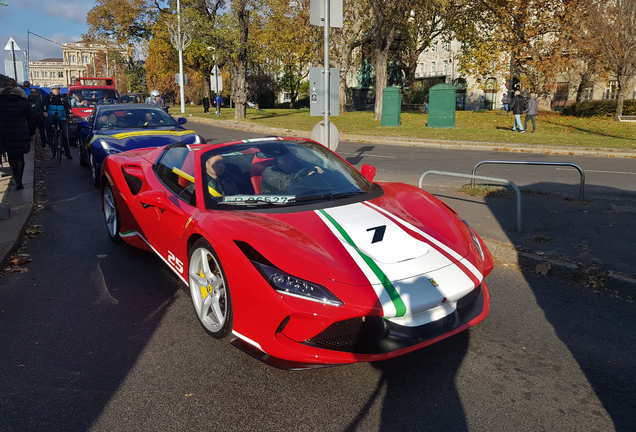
(218, 100)
(531, 112)
(15, 113)
(517, 107)
(206, 104)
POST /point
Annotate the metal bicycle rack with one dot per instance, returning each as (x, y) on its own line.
(476, 177)
(581, 172)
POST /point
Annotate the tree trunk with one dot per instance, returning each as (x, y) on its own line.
(585, 78)
(343, 89)
(381, 58)
(238, 70)
(622, 85)
(410, 81)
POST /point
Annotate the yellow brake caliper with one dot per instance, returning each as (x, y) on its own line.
(204, 289)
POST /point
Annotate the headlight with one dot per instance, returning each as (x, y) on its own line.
(104, 144)
(474, 237)
(287, 284)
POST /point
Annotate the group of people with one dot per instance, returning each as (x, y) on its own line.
(22, 111)
(218, 101)
(518, 105)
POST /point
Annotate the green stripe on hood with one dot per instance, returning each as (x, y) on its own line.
(400, 308)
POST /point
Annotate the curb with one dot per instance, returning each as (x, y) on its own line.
(431, 143)
(620, 284)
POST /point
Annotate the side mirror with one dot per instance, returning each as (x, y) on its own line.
(182, 120)
(159, 199)
(368, 171)
(83, 124)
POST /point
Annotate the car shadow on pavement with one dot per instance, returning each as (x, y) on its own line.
(75, 322)
(596, 327)
(417, 391)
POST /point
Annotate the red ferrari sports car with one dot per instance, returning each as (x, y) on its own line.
(301, 257)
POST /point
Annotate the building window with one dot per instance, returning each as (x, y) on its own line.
(432, 67)
(445, 67)
(447, 46)
(611, 91)
(45, 74)
(421, 69)
(588, 93)
(60, 74)
(434, 47)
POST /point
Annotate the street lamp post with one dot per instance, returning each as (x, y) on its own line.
(179, 42)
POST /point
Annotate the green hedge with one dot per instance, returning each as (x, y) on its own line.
(605, 108)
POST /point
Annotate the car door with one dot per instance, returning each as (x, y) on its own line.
(164, 210)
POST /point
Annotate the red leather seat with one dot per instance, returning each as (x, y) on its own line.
(256, 171)
(188, 167)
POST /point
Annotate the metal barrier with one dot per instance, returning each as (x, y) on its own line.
(582, 188)
(476, 177)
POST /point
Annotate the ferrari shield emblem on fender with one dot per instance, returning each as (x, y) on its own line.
(435, 284)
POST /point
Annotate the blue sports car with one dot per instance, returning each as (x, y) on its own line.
(114, 129)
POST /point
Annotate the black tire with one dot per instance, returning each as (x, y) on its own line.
(94, 170)
(59, 146)
(54, 146)
(82, 157)
(111, 215)
(206, 315)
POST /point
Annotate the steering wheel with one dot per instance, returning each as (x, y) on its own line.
(301, 172)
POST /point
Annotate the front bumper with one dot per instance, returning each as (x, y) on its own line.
(356, 341)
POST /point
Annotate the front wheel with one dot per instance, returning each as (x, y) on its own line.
(58, 140)
(209, 290)
(110, 214)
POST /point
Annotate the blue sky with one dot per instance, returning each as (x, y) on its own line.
(59, 20)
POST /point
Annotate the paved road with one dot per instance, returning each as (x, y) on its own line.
(102, 336)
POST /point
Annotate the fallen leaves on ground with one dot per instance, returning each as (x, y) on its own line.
(543, 268)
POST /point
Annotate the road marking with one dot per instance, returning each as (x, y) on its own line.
(597, 171)
(362, 154)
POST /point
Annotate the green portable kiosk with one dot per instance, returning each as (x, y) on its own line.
(441, 106)
(391, 107)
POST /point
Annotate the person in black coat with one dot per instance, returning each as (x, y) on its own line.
(15, 113)
(517, 107)
(206, 104)
(37, 116)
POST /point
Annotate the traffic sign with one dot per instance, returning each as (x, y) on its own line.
(8, 47)
(317, 13)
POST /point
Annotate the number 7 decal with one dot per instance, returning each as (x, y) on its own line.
(378, 234)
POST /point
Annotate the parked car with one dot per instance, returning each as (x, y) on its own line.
(302, 258)
(112, 129)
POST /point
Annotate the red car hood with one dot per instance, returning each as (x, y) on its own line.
(406, 232)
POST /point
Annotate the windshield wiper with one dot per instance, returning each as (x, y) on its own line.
(254, 201)
(328, 196)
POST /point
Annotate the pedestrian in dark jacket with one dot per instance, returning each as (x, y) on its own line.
(531, 112)
(37, 116)
(206, 104)
(14, 129)
(517, 107)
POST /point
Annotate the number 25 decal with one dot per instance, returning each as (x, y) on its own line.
(175, 262)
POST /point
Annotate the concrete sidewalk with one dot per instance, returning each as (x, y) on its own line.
(19, 202)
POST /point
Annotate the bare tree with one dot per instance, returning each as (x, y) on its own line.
(613, 25)
(237, 61)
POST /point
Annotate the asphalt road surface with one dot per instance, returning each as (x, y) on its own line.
(102, 336)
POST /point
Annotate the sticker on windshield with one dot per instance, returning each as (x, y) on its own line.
(259, 198)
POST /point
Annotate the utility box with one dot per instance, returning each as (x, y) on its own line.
(441, 106)
(391, 107)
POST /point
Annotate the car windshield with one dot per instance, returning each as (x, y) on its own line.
(271, 172)
(141, 116)
(88, 97)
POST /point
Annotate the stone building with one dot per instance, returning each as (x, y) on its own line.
(77, 61)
